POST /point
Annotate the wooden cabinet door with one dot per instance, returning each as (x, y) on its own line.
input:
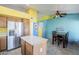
(23, 47)
(2, 21)
(26, 26)
(2, 43)
(26, 48)
(29, 49)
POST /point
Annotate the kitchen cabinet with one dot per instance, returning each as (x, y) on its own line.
(32, 45)
(29, 49)
(2, 43)
(26, 23)
(2, 21)
(23, 47)
(26, 49)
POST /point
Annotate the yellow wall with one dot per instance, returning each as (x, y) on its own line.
(4, 11)
(3, 29)
(11, 12)
(40, 32)
(32, 11)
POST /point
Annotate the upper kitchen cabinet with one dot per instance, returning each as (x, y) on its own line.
(26, 23)
(15, 19)
(2, 21)
(18, 19)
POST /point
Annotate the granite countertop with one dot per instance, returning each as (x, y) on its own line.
(33, 40)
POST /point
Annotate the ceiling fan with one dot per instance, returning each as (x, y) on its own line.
(60, 14)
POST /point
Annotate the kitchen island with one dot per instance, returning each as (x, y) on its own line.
(33, 45)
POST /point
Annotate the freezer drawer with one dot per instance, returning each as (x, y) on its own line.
(11, 42)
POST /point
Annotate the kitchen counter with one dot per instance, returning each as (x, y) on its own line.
(33, 40)
(33, 45)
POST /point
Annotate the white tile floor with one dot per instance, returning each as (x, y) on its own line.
(12, 52)
(51, 50)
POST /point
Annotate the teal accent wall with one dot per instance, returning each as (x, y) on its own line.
(70, 23)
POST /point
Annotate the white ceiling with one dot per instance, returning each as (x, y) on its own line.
(46, 9)
(20, 7)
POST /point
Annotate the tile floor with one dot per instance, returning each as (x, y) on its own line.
(51, 50)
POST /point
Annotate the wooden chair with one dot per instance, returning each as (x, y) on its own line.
(65, 42)
(63, 39)
(54, 37)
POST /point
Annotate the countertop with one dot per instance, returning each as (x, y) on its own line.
(33, 40)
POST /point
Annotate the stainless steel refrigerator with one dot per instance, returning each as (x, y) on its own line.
(15, 30)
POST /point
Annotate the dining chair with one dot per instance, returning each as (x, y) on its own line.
(54, 37)
(63, 39)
